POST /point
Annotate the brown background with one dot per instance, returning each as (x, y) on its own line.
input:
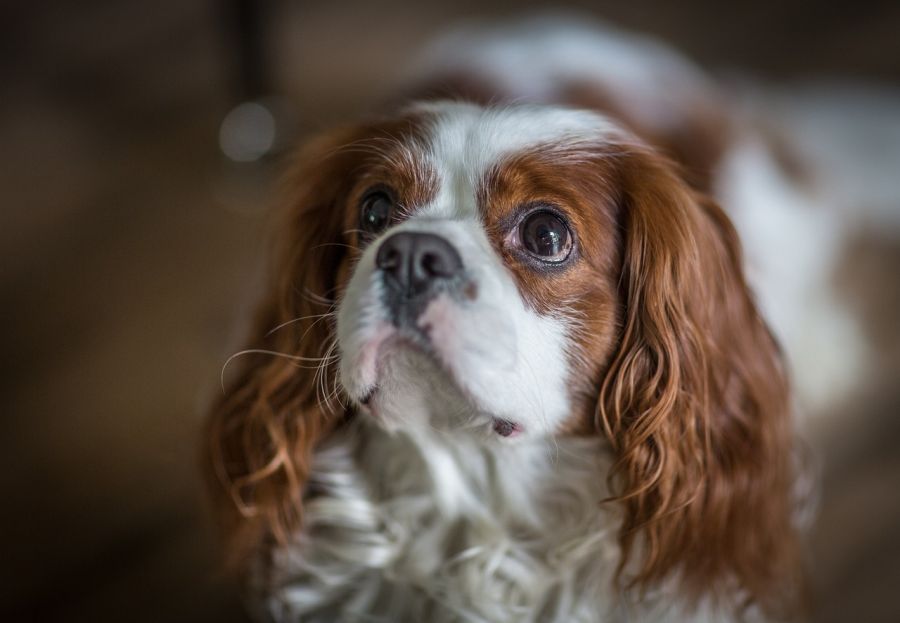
(129, 246)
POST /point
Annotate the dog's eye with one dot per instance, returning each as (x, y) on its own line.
(375, 212)
(545, 236)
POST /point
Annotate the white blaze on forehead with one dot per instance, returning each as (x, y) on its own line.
(465, 141)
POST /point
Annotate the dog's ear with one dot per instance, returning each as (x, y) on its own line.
(262, 430)
(695, 403)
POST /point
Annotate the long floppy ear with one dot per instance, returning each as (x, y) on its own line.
(262, 430)
(696, 405)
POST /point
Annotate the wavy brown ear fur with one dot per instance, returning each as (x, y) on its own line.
(696, 405)
(262, 431)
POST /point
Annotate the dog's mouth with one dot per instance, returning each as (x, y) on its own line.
(505, 428)
(417, 341)
(367, 398)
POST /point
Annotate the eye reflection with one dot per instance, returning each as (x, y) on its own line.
(545, 236)
(375, 212)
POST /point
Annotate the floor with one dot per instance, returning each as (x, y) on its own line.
(129, 248)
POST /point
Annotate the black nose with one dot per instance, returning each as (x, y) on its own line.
(413, 262)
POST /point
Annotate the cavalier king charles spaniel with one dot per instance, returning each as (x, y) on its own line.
(508, 367)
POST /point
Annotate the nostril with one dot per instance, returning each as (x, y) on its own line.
(434, 265)
(436, 258)
(391, 254)
(389, 259)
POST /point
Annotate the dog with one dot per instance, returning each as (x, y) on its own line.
(508, 366)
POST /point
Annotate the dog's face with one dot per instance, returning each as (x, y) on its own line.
(522, 272)
(482, 286)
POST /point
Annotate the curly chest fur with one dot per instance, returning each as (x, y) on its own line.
(430, 527)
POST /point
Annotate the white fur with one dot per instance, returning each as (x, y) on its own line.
(466, 140)
(390, 544)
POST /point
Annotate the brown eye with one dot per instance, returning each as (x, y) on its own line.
(375, 212)
(545, 236)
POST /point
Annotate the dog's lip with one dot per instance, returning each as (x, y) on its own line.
(366, 398)
(368, 402)
(505, 428)
(419, 339)
(501, 426)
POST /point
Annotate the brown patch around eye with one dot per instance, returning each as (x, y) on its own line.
(584, 289)
(391, 161)
(580, 194)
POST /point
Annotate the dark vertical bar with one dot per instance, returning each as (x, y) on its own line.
(245, 38)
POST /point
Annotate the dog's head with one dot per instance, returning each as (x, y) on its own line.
(521, 273)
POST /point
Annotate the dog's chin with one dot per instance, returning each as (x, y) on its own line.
(415, 387)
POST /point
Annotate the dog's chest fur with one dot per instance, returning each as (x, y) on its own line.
(431, 526)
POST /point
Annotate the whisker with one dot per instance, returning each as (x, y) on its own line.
(274, 353)
(318, 299)
(300, 319)
(330, 314)
(332, 395)
(335, 392)
(321, 396)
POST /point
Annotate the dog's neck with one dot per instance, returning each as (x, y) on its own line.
(472, 475)
(401, 515)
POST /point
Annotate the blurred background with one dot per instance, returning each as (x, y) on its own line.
(130, 245)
